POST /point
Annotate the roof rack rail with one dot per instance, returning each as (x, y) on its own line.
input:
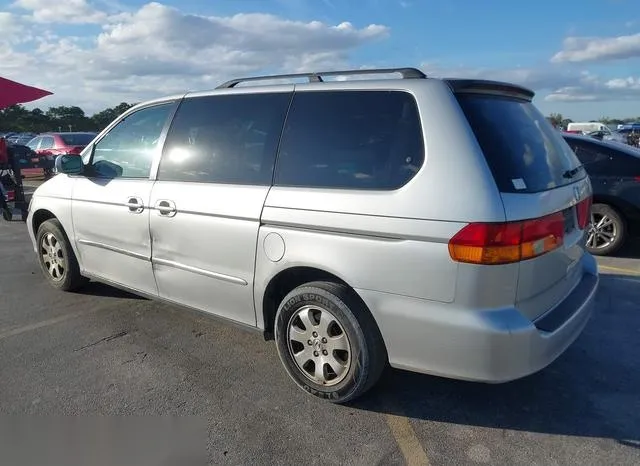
(316, 77)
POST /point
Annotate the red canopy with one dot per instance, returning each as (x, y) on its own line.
(12, 93)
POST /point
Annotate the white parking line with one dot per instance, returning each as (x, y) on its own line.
(407, 440)
(623, 270)
(43, 323)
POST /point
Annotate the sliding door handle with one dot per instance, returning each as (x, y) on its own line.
(166, 208)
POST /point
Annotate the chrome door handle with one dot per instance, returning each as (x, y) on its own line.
(166, 208)
(134, 204)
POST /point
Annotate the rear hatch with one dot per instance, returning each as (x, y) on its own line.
(542, 184)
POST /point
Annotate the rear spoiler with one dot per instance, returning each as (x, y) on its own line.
(482, 86)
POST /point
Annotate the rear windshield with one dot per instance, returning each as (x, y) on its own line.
(524, 152)
(77, 139)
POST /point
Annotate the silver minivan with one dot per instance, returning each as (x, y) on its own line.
(433, 225)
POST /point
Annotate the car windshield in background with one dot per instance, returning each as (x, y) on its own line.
(80, 139)
(523, 151)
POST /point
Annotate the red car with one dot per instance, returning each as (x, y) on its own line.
(60, 143)
(49, 145)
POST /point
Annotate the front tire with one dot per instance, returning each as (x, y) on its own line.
(56, 257)
(607, 232)
(328, 341)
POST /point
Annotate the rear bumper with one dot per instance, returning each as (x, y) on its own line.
(492, 346)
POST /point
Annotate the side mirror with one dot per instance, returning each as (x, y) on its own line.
(69, 164)
(106, 169)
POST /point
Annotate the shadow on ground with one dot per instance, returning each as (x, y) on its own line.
(631, 250)
(592, 390)
(100, 289)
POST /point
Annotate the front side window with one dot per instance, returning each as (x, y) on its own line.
(351, 140)
(230, 139)
(127, 150)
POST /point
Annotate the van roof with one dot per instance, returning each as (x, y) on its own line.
(313, 79)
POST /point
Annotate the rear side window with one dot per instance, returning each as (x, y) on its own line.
(47, 142)
(524, 152)
(351, 140)
(229, 139)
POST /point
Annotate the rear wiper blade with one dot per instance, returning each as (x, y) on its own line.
(571, 173)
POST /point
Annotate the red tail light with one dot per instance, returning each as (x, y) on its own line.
(504, 243)
(583, 210)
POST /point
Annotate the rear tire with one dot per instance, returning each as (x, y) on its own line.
(607, 232)
(328, 342)
(56, 257)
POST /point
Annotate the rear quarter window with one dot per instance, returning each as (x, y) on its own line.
(364, 140)
(524, 152)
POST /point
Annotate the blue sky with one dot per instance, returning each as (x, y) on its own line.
(582, 58)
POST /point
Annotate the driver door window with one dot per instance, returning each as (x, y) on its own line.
(127, 151)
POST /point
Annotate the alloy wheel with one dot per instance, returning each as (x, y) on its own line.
(53, 256)
(319, 345)
(602, 232)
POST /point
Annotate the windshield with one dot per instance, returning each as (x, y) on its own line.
(77, 139)
(523, 151)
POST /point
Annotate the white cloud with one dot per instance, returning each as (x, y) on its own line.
(592, 88)
(8, 25)
(543, 78)
(162, 40)
(62, 11)
(590, 49)
(570, 94)
(159, 50)
(551, 83)
(629, 83)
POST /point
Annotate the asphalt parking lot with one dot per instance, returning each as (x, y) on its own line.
(106, 352)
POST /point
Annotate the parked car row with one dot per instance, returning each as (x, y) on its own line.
(626, 134)
(18, 138)
(40, 151)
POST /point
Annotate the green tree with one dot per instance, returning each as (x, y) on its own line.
(102, 119)
(15, 118)
(65, 118)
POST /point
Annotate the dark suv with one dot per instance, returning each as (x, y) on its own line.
(614, 169)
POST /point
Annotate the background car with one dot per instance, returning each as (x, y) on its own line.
(624, 136)
(48, 146)
(60, 143)
(614, 169)
(596, 134)
(21, 139)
